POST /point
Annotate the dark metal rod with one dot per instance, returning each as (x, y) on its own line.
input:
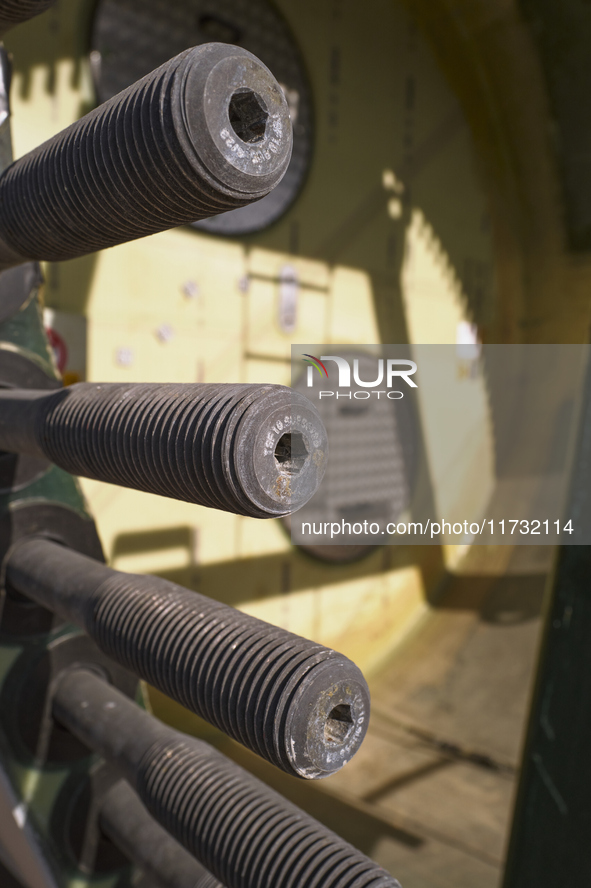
(298, 704)
(257, 450)
(206, 132)
(125, 821)
(237, 827)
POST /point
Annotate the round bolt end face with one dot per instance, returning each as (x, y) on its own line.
(281, 452)
(246, 118)
(328, 720)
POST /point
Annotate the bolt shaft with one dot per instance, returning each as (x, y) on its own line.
(126, 822)
(237, 827)
(151, 158)
(214, 445)
(273, 691)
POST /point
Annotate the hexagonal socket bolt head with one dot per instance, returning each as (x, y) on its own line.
(257, 450)
(207, 132)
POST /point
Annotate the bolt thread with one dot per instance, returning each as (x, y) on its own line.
(239, 673)
(128, 169)
(265, 687)
(173, 440)
(13, 12)
(242, 830)
(127, 823)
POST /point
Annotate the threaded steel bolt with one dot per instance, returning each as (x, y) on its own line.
(241, 830)
(126, 822)
(13, 12)
(298, 704)
(206, 132)
(254, 450)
